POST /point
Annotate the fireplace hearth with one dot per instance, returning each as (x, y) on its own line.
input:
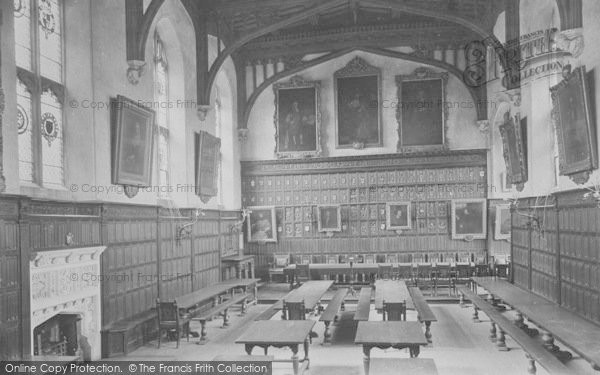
(58, 336)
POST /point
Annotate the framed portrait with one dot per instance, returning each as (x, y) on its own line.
(132, 142)
(514, 149)
(208, 155)
(329, 218)
(297, 118)
(572, 117)
(398, 215)
(421, 112)
(357, 99)
(262, 224)
(502, 223)
(469, 219)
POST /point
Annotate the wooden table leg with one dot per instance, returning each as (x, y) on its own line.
(306, 346)
(327, 333)
(493, 332)
(476, 314)
(428, 332)
(295, 359)
(225, 319)
(367, 358)
(531, 368)
(501, 341)
(203, 334)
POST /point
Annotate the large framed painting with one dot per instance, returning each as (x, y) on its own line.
(262, 224)
(421, 112)
(329, 218)
(208, 155)
(469, 219)
(575, 130)
(514, 150)
(132, 142)
(502, 222)
(357, 99)
(398, 216)
(297, 118)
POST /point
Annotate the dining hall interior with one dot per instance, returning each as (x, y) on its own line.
(387, 185)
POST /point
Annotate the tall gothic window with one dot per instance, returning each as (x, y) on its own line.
(40, 91)
(218, 134)
(161, 96)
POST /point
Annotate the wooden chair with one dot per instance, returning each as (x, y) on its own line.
(384, 271)
(169, 320)
(332, 259)
(369, 259)
(305, 259)
(302, 273)
(280, 261)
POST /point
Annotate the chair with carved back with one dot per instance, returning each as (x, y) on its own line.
(276, 268)
(171, 321)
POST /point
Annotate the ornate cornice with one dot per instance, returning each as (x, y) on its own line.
(72, 257)
(425, 159)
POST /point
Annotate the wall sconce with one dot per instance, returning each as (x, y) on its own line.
(534, 219)
(185, 230)
(237, 226)
(593, 193)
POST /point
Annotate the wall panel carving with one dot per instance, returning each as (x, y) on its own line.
(362, 186)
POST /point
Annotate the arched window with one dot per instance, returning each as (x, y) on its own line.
(161, 97)
(40, 91)
(218, 134)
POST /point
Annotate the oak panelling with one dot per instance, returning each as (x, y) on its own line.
(565, 259)
(206, 251)
(580, 254)
(130, 262)
(10, 281)
(362, 186)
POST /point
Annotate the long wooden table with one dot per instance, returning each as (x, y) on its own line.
(279, 334)
(389, 334)
(320, 271)
(580, 335)
(305, 298)
(393, 293)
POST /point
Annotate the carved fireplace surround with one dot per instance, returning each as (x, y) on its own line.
(67, 281)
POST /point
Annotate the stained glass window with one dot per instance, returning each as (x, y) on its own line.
(161, 97)
(40, 93)
(24, 127)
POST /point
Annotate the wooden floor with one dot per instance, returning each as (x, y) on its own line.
(459, 346)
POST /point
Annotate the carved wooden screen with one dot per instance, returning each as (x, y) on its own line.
(208, 154)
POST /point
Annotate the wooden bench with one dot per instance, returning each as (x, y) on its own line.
(363, 307)
(409, 366)
(330, 314)
(575, 332)
(126, 335)
(222, 309)
(424, 313)
(535, 351)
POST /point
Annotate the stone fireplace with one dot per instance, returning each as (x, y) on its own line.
(66, 302)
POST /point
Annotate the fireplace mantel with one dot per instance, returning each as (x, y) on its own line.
(68, 281)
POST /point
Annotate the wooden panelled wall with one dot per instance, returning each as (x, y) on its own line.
(560, 261)
(362, 186)
(143, 259)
